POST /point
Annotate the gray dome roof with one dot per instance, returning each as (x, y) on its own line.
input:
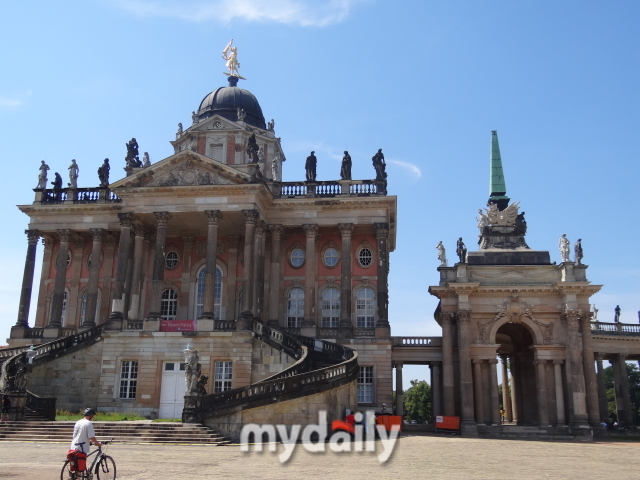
(224, 101)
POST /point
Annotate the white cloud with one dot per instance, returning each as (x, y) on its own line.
(315, 13)
(15, 100)
(415, 172)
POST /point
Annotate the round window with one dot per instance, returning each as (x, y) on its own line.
(171, 261)
(331, 257)
(297, 257)
(365, 257)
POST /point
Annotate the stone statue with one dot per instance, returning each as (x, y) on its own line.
(563, 245)
(103, 173)
(379, 165)
(345, 170)
(202, 385)
(146, 163)
(275, 167)
(461, 250)
(271, 126)
(483, 221)
(442, 254)
(230, 54)
(179, 132)
(261, 154)
(73, 174)
(616, 316)
(14, 376)
(42, 176)
(132, 159)
(595, 312)
(194, 118)
(310, 167)
(503, 218)
(521, 224)
(57, 182)
(192, 372)
(252, 149)
(577, 248)
(241, 114)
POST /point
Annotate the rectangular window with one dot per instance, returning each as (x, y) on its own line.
(222, 377)
(216, 152)
(365, 385)
(128, 379)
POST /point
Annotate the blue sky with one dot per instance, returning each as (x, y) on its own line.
(425, 81)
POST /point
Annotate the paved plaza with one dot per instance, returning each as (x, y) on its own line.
(415, 457)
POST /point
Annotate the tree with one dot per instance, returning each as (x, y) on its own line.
(417, 401)
(634, 388)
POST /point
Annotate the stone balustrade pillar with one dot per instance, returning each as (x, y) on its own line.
(157, 276)
(557, 373)
(382, 235)
(275, 281)
(250, 219)
(94, 272)
(124, 245)
(346, 324)
(399, 390)
(541, 387)
(27, 279)
(447, 365)
(468, 423)
(602, 391)
(57, 300)
(575, 371)
(213, 217)
(506, 391)
(136, 277)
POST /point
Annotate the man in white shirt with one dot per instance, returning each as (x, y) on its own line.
(83, 433)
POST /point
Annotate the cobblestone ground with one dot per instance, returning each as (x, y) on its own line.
(415, 457)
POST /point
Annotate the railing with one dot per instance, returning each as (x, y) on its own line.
(364, 332)
(77, 195)
(606, 328)
(54, 196)
(134, 325)
(293, 189)
(327, 332)
(42, 405)
(333, 188)
(224, 325)
(365, 188)
(34, 333)
(328, 189)
(417, 341)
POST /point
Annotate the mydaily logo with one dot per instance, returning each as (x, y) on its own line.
(339, 441)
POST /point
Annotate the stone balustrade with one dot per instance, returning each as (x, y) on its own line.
(417, 341)
(75, 195)
(607, 328)
(332, 188)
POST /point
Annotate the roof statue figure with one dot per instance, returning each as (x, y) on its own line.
(310, 167)
(563, 246)
(578, 251)
(42, 176)
(103, 173)
(498, 184)
(345, 169)
(616, 314)
(74, 170)
(57, 182)
(461, 250)
(230, 54)
(442, 254)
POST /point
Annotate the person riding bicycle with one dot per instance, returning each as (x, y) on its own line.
(83, 433)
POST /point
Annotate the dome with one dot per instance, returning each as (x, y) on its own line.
(225, 101)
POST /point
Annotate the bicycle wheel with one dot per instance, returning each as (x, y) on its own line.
(67, 474)
(106, 468)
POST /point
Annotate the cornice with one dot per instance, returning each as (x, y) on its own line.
(71, 208)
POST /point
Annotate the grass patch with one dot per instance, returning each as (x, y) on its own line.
(178, 420)
(62, 415)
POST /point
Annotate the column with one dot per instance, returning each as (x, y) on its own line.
(399, 390)
(41, 314)
(466, 378)
(232, 268)
(311, 232)
(382, 236)
(124, 245)
(602, 391)
(94, 271)
(557, 373)
(57, 301)
(157, 277)
(541, 380)
(436, 392)
(274, 283)
(575, 371)
(213, 217)
(136, 278)
(27, 278)
(495, 395)
(346, 324)
(477, 385)
(185, 298)
(447, 365)
(506, 392)
(261, 231)
(590, 381)
(623, 397)
(250, 219)
(74, 280)
(514, 398)
(109, 242)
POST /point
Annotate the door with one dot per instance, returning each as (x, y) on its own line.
(172, 390)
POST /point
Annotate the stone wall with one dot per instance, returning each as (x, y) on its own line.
(299, 411)
(267, 361)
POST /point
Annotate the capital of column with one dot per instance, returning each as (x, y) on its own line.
(310, 230)
(261, 228)
(213, 216)
(64, 234)
(139, 230)
(110, 241)
(78, 241)
(234, 240)
(445, 317)
(539, 362)
(571, 316)
(97, 234)
(188, 242)
(48, 241)
(162, 218)
(558, 362)
(276, 231)
(32, 236)
(477, 360)
(599, 356)
(250, 216)
(382, 230)
(126, 219)
(493, 361)
(464, 317)
(346, 229)
(623, 357)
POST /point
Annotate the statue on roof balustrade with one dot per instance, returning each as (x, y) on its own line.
(42, 176)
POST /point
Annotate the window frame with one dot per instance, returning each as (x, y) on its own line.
(83, 306)
(165, 305)
(329, 320)
(372, 259)
(128, 380)
(217, 292)
(366, 319)
(330, 246)
(366, 393)
(223, 376)
(166, 260)
(295, 321)
(303, 258)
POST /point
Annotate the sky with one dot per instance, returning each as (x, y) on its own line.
(425, 81)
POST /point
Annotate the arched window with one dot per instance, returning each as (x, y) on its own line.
(295, 308)
(330, 308)
(365, 308)
(169, 304)
(217, 292)
(83, 307)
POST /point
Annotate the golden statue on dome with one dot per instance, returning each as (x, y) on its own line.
(230, 54)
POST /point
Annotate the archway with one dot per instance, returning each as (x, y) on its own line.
(515, 342)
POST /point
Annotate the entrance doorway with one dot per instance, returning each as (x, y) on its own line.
(172, 390)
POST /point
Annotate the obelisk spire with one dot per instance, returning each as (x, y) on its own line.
(497, 185)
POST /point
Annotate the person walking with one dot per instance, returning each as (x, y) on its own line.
(84, 434)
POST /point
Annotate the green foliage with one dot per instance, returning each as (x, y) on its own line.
(417, 401)
(634, 388)
(167, 420)
(63, 415)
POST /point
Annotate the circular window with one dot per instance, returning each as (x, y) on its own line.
(331, 257)
(365, 257)
(297, 257)
(171, 261)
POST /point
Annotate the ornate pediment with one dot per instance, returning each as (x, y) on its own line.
(215, 123)
(190, 174)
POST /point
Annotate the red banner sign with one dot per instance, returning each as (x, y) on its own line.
(178, 325)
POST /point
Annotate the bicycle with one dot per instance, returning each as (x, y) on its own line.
(103, 466)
